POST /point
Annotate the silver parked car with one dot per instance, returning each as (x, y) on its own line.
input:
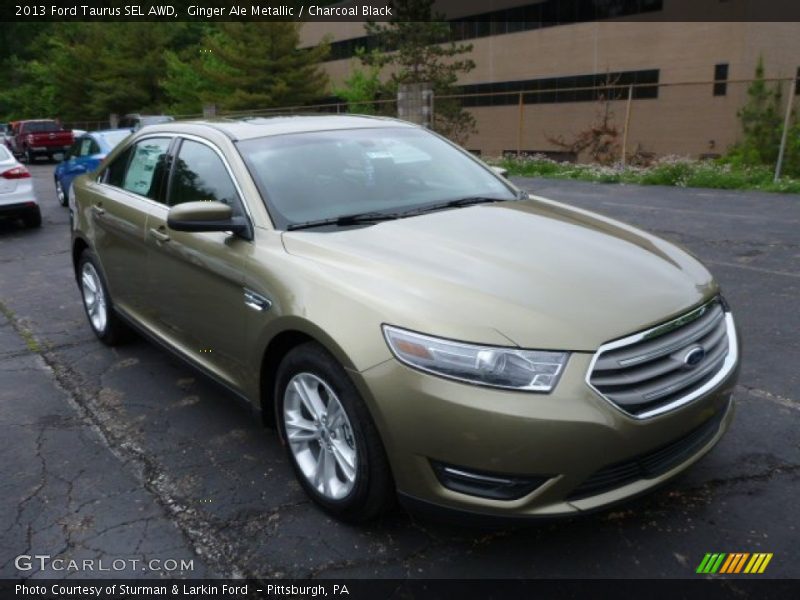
(17, 200)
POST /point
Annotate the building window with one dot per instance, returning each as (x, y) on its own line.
(557, 90)
(721, 79)
(797, 83)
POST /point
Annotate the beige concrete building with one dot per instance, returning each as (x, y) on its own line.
(681, 111)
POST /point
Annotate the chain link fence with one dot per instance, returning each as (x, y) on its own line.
(612, 123)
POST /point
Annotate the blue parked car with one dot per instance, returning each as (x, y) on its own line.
(85, 155)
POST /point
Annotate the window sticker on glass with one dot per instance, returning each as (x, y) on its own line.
(405, 153)
(141, 170)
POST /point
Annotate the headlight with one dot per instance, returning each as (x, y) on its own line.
(511, 368)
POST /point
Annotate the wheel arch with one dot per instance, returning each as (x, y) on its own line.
(294, 332)
(79, 244)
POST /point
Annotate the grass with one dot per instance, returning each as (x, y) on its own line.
(670, 171)
(27, 335)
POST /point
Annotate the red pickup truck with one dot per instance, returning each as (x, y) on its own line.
(41, 137)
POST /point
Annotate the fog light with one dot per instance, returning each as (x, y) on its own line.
(486, 485)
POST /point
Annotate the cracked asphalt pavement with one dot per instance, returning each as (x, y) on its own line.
(129, 454)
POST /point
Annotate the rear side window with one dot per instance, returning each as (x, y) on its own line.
(200, 175)
(116, 170)
(140, 169)
(147, 167)
(86, 145)
(75, 149)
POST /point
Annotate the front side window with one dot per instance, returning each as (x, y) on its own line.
(329, 174)
(200, 175)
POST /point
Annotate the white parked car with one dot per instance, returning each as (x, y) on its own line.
(17, 200)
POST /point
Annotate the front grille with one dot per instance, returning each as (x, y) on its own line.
(649, 465)
(651, 372)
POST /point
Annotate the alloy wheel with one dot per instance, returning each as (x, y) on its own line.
(320, 436)
(94, 298)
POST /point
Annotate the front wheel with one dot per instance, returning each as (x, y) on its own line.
(331, 440)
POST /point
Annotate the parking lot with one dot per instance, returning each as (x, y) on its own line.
(128, 454)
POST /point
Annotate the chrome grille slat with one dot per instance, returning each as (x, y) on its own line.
(664, 344)
(648, 373)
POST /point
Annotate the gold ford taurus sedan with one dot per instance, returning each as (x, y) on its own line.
(411, 322)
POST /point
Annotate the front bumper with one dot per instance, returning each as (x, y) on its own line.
(565, 437)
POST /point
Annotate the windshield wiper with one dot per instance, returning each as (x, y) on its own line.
(345, 220)
(468, 201)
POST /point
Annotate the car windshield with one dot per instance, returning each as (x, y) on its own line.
(307, 177)
(112, 138)
(42, 126)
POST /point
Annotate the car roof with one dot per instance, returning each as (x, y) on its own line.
(102, 132)
(256, 127)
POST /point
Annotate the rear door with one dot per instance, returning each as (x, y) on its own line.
(197, 279)
(119, 205)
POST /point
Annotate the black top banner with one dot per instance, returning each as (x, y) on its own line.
(545, 12)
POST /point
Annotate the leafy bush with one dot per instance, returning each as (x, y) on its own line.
(669, 171)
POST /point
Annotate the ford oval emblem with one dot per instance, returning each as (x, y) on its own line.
(694, 357)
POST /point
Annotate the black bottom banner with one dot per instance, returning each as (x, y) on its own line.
(401, 589)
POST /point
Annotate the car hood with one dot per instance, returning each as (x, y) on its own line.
(535, 273)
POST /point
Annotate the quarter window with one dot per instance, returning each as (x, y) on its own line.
(200, 175)
(146, 168)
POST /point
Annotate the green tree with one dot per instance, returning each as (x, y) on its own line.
(762, 120)
(242, 66)
(417, 46)
(361, 89)
(84, 71)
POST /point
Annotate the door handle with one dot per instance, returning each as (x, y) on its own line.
(159, 235)
(98, 211)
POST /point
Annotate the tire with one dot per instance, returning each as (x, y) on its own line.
(33, 219)
(105, 323)
(320, 457)
(61, 193)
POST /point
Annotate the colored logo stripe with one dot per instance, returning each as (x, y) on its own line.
(758, 563)
(724, 563)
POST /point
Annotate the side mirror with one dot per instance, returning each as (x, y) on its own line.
(207, 216)
(500, 171)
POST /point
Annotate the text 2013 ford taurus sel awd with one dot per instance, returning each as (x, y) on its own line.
(412, 322)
